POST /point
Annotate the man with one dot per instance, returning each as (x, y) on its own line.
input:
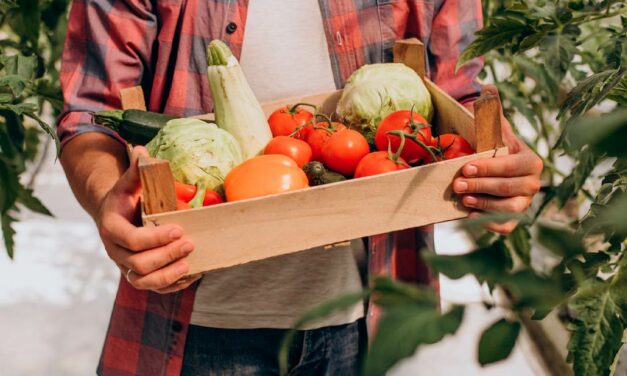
(239, 315)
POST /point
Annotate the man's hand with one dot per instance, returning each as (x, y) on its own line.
(153, 254)
(503, 184)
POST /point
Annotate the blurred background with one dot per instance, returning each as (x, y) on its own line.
(559, 65)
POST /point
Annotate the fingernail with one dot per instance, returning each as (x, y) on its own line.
(460, 186)
(470, 170)
(187, 247)
(176, 233)
(469, 200)
(182, 269)
(474, 215)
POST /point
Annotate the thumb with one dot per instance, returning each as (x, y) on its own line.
(130, 181)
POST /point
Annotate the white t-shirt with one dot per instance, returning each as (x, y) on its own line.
(284, 54)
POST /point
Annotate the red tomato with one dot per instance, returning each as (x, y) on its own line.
(319, 135)
(181, 205)
(451, 145)
(264, 175)
(186, 192)
(284, 121)
(298, 150)
(343, 151)
(378, 162)
(400, 121)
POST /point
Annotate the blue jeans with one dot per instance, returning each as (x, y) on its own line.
(334, 350)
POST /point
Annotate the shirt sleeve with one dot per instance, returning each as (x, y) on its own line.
(108, 47)
(453, 29)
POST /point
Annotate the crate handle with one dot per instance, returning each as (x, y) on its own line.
(488, 122)
(158, 195)
(411, 52)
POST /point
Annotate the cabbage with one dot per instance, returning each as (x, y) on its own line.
(199, 153)
(374, 91)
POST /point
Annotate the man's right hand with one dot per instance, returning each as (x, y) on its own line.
(153, 254)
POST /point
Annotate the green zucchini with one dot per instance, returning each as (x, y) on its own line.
(317, 174)
(137, 127)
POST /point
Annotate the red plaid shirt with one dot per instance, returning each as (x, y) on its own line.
(161, 45)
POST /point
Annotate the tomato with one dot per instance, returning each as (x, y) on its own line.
(343, 151)
(298, 150)
(186, 192)
(378, 162)
(264, 175)
(285, 120)
(181, 205)
(319, 135)
(451, 145)
(407, 122)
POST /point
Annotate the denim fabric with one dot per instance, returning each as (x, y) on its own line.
(333, 350)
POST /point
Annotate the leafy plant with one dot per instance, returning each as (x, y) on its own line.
(561, 66)
(30, 48)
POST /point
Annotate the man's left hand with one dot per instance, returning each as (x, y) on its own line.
(504, 184)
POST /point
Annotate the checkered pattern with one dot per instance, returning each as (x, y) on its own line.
(113, 44)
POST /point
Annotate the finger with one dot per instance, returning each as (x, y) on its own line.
(520, 164)
(501, 228)
(146, 262)
(518, 204)
(179, 285)
(118, 229)
(161, 278)
(129, 182)
(502, 187)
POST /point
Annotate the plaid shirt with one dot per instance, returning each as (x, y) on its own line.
(161, 45)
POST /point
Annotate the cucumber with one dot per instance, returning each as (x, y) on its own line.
(137, 127)
(317, 174)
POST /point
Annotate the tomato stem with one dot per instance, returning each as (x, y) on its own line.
(292, 110)
(414, 138)
(416, 127)
(330, 129)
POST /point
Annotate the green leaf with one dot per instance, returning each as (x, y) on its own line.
(488, 263)
(561, 240)
(558, 52)
(605, 134)
(591, 91)
(484, 219)
(47, 128)
(498, 341)
(26, 198)
(520, 241)
(598, 327)
(530, 290)
(10, 187)
(8, 233)
(578, 176)
(389, 293)
(614, 215)
(321, 311)
(24, 20)
(403, 329)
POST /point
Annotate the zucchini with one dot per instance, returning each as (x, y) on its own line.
(317, 174)
(137, 127)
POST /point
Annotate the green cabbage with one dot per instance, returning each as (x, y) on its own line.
(199, 153)
(374, 91)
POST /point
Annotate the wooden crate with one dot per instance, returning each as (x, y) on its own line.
(239, 232)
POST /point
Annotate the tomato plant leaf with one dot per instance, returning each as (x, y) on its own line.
(520, 242)
(8, 233)
(498, 341)
(561, 240)
(605, 134)
(26, 198)
(388, 293)
(403, 329)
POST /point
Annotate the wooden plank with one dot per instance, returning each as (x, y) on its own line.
(239, 232)
(488, 123)
(411, 52)
(326, 102)
(132, 98)
(158, 195)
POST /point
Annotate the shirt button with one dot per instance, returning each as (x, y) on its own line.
(177, 326)
(231, 27)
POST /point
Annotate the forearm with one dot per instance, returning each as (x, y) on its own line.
(93, 163)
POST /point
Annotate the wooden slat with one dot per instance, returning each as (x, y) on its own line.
(157, 186)
(488, 123)
(132, 98)
(411, 52)
(238, 232)
(450, 116)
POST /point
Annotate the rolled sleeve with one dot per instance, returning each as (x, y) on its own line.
(108, 47)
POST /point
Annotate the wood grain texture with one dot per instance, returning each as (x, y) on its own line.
(450, 116)
(132, 98)
(488, 123)
(158, 195)
(244, 231)
(411, 52)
